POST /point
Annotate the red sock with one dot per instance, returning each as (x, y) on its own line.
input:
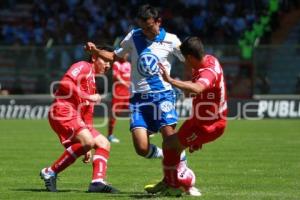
(111, 125)
(170, 162)
(100, 164)
(68, 157)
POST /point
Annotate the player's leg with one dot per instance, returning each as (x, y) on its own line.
(169, 186)
(167, 131)
(112, 121)
(142, 144)
(140, 125)
(100, 159)
(81, 143)
(206, 134)
(111, 125)
(172, 148)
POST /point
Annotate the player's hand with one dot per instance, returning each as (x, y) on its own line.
(90, 47)
(95, 98)
(164, 73)
(87, 157)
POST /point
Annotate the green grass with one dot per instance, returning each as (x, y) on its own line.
(253, 160)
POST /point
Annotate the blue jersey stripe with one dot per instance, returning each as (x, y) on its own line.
(139, 40)
(155, 83)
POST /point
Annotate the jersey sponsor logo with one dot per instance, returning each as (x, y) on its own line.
(166, 106)
(77, 70)
(147, 64)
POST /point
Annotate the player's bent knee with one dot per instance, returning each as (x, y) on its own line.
(141, 151)
(88, 144)
(86, 140)
(102, 142)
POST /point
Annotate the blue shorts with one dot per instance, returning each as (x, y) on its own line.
(153, 110)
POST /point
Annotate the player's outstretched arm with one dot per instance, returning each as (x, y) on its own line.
(104, 54)
(184, 85)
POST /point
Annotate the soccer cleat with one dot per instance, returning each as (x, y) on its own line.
(49, 180)
(102, 188)
(172, 192)
(155, 188)
(193, 191)
(113, 139)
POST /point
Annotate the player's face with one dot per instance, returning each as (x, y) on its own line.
(150, 27)
(190, 62)
(101, 66)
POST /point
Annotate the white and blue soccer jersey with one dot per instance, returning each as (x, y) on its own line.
(152, 104)
(145, 54)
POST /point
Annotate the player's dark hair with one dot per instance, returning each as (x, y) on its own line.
(192, 46)
(147, 11)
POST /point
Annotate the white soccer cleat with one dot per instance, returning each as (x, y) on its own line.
(193, 191)
(113, 139)
(49, 179)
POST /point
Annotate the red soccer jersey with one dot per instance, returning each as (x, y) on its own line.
(77, 83)
(211, 104)
(121, 70)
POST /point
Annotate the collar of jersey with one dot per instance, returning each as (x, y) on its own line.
(158, 38)
(161, 36)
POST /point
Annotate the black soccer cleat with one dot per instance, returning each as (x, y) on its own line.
(49, 180)
(102, 188)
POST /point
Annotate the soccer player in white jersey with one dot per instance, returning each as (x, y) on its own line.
(152, 102)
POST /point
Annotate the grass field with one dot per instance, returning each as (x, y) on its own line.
(253, 160)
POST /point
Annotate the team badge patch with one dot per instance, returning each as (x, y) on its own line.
(166, 106)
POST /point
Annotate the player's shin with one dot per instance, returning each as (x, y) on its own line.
(68, 157)
(171, 161)
(100, 165)
(111, 125)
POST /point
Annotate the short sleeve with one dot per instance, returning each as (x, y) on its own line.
(176, 49)
(116, 69)
(207, 77)
(126, 46)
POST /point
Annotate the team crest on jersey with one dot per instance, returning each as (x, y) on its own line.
(166, 106)
(147, 64)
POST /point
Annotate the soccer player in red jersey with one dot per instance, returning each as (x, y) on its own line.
(71, 117)
(120, 93)
(208, 120)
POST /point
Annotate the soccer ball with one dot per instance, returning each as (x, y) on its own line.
(186, 178)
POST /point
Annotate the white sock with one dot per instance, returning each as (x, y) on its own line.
(154, 152)
(100, 180)
(183, 157)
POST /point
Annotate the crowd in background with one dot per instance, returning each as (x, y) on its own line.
(36, 22)
(47, 23)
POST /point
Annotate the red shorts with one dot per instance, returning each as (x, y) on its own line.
(67, 125)
(119, 104)
(194, 135)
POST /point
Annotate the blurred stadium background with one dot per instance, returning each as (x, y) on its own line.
(257, 42)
